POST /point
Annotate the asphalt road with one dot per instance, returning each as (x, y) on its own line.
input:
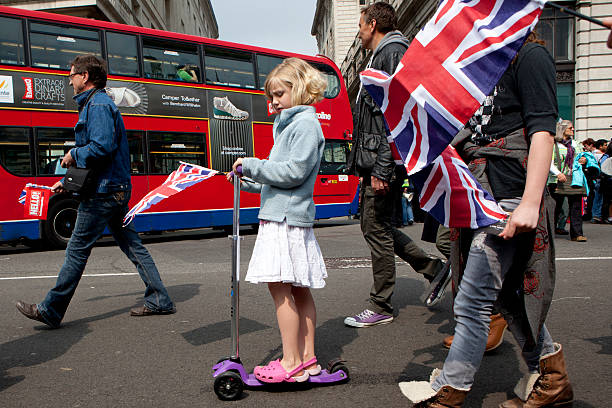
(102, 357)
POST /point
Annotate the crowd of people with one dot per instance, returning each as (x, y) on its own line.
(533, 168)
(579, 181)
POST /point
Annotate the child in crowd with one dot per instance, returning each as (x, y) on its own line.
(286, 255)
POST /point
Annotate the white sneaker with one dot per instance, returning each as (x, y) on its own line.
(224, 109)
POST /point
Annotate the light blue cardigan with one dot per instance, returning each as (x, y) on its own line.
(286, 179)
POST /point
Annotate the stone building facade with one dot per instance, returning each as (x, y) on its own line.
(584, 63)
(194, 17)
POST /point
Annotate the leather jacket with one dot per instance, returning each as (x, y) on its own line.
(371, 154)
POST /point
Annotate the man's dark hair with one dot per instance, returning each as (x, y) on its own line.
(383, 13)
(96, 67)
(599, 143)
(588, 142)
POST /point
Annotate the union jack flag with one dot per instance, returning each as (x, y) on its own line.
(185, 176)
(22, 196)
(449, 191)
(444, 76)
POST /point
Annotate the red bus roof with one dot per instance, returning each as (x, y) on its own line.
(60, 18)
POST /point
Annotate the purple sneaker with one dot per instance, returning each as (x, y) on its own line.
(367, 318)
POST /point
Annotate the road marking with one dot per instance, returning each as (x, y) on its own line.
(55, 276)
(332, 263)
(592, 258)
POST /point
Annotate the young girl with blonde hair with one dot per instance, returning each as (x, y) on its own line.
(286, 255)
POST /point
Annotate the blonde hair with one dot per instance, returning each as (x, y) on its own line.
(561, 127)
(306, 83)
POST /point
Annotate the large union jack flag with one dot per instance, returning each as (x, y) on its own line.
(449, 190)
(444, 76)
(185, 176)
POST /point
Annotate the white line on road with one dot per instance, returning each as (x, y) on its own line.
(358, 264)
(55, 276)
(594, 258)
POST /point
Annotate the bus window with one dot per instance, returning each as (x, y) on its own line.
(333, 82)
(15, 150)
(167, 149)
(334, 157)
(11, 41)
(265, 64)
(52, 144)
(230, 68)
(170, 61)
(55, 46)
(135, 144)
(122, 54)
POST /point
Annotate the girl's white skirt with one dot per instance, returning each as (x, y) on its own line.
(288, 254)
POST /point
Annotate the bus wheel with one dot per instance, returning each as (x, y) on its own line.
(60, 222)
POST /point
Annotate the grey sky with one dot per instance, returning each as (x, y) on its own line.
(278, 24)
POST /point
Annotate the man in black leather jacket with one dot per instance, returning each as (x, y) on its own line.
(371, 159)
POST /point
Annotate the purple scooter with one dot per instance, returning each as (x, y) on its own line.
(229, 373)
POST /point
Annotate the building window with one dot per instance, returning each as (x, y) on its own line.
(557, 30)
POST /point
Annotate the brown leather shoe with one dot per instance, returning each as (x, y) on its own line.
(30, 311)
(579, 238)
(145, 311)
(496, 333)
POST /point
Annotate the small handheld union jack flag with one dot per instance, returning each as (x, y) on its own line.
(185, 176)
(23, 195)
(444, 76)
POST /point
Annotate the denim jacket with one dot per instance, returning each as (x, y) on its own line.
(101, 141)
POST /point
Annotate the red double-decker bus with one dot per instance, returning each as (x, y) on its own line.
(183, 98)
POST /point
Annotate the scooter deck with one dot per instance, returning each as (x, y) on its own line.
(250, 380)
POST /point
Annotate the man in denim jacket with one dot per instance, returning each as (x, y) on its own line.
(101, 145)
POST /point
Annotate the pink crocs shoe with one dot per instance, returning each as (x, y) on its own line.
(275, 373)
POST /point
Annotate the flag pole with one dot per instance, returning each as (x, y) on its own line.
(575, 13)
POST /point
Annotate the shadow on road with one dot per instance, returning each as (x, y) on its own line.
(48, 344)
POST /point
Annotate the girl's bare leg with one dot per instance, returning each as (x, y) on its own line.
(308, 319)
(288, 323)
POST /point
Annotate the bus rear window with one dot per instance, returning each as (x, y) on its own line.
(333, 82)
(265, 64)
(55, 46)
(170, 61)
(229, 68)
(122, 54)
(11, 41)
(334, 157)
(15, 150)
(168, 149)
(53, 144)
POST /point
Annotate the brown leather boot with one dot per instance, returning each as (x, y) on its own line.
(496, 333)
(550, 389)
(446, 397)
(423, 396)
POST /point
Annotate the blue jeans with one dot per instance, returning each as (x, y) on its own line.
(597, 200)
(94, 214)
(406, 211)
(488, 262)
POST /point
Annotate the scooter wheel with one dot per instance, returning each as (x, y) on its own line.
(228, 386)
(338, 366)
